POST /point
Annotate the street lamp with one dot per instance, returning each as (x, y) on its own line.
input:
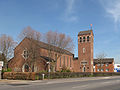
(48, 68)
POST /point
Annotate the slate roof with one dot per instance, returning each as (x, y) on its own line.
(105, 60)
(85, 32)
(53, 48)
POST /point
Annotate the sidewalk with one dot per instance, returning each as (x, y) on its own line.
(13, 81)
(51, 81)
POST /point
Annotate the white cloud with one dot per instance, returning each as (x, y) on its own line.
(112, 8)
(70, 4)
(69, 11)
(115, 12)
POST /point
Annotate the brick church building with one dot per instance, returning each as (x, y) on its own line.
(83, 63)
(23, 55)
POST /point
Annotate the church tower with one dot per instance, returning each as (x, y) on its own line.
(85, 50)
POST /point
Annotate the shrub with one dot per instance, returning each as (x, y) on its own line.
(43, 71)
(7, 70)
(64, 69)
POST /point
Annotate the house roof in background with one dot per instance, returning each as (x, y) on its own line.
(105, 60)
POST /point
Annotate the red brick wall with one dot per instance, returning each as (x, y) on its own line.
(76, 66)
(110, 67)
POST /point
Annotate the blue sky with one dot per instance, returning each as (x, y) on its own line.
(66, 16)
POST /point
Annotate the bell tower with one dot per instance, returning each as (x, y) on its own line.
(85, 50)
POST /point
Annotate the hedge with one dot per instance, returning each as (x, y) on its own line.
(56, 75)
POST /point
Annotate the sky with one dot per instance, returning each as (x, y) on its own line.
(66, 16)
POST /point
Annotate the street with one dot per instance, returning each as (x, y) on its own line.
(86, 83)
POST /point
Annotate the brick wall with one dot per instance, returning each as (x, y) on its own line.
(110, 67)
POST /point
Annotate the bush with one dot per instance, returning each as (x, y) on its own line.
(64, 69)
(7, 70)
(19, 75)
(43, 71)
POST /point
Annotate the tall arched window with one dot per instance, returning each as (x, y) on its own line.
(83, 39)
(60, 61)
(83, 50)
(64, 61)
(67, 61)
(80, 39)
(88, 38)
(70, 62)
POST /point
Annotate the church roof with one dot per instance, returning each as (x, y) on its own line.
(50, 47)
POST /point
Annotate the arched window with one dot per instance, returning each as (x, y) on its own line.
(83, 39)
(64, 61)
(25, 54)
(60, 61)
(88, 38)
(80, 39)
(83, 50)
(67, 61)
(55, 57)
(70, 62)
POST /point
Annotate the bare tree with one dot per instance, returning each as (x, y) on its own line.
(58, 42)
(28, 32)
(7, 45)
(32, 48)
(3, 58)
(101, 57)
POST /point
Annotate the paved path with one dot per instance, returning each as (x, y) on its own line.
(90, 83)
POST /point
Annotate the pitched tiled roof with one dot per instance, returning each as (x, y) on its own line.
(105, 60)
(51, 47)
(85, 32)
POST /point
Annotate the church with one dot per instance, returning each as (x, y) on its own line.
(42, 62)
(36, 54)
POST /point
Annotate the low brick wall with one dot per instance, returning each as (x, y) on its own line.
(38, 76)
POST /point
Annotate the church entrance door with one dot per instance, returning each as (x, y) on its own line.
(26, 68)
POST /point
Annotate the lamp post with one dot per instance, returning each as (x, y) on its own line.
(1, 65)
(48, 69)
